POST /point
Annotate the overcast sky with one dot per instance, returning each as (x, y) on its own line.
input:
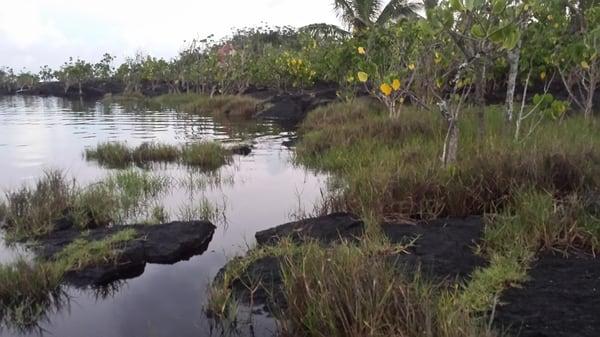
(39, 32)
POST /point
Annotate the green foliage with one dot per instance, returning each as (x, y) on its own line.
(205, 155)
(402, 173)
(31, 212)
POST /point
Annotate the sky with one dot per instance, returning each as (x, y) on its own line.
(47, 32)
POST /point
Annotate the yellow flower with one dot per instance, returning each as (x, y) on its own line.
(361, 50)
(401, 100)
(386, 89)
(396, 84)
(362, 76)
(438, 58)
(411, 66)
(350, 79)
(543, 75)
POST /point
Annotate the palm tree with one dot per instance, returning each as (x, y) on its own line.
(362, 14)
(359, 15)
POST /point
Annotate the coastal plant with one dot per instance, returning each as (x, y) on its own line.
(351, 290)
(28, 291)
(32, 211)
(205, 155)
(83, 253)
(55, 203)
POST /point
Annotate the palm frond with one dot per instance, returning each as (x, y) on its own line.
(345, 11)
(324, 31)
(366, 10)
(398, 9)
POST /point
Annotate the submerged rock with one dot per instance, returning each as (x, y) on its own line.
(326, 229)
(241, 149)
(164, 244)
(561, 299)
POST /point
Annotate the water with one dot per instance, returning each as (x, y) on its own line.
(260, 191)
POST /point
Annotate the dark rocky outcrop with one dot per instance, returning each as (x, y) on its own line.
(443, 249)
(325, 229)
(561, 299)
(164, 244)
(89, 90)
(293, 107)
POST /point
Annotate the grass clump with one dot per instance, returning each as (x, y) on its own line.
(27, 291)
(205, 155)
(352, 291)
(34, 211)
(535, 222)
(225, 105)
(82, 253)
(348, 290)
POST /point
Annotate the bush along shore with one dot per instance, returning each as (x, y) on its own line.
(77, 236)
(486, 246)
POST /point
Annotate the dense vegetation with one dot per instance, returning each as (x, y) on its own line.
(530, 166)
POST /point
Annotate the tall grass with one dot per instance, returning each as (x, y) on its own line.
(34, 211)
(204, 155)
(224, 106)
(393, 166)
(27, 292)
(353, 290)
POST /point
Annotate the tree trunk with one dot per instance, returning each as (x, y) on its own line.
(589, 104)
(80, 90)
(450, 153)
(480, 96)
(513, 61)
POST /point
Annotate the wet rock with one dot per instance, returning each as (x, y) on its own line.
(164, 244)
(293, 107)
(325, 229)
(561, 299)
(443, 248)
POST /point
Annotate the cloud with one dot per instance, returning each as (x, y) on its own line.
(38, 32)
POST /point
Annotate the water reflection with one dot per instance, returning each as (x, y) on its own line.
(259, 192)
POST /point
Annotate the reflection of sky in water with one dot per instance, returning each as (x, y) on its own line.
(38, 133)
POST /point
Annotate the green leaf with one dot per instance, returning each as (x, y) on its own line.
(457, 5)
(477, 31)
(512, 39)
(469, 4)
(498, 6)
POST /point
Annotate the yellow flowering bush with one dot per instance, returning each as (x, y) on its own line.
(295, 71)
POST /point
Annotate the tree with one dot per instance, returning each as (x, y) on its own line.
(360, 15)
(104, 69)
(46, 74)
(75, 72)
(480, 30)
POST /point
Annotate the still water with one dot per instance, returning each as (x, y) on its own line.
(255, 192)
